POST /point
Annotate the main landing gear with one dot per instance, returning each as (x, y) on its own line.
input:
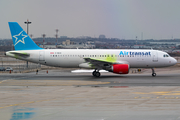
(153, 73)
(96, 73)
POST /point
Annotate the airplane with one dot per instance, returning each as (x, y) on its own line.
(117, 61)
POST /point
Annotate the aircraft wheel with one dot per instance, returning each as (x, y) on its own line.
(154, 74)
(98, 74)
(94, 73)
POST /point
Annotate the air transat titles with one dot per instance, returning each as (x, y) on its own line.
(134, 53)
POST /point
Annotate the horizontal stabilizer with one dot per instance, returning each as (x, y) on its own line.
(18, 54)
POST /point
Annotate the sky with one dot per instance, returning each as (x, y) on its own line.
(123, 19)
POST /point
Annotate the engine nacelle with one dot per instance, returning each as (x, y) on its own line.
(120, 68)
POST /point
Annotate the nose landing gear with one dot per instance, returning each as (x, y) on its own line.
(153, 73)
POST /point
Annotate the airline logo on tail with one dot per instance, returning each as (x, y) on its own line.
(19, 38)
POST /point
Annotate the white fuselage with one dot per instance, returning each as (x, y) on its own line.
(72, 58)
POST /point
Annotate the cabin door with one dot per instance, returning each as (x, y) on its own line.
(41, 56)
(155, 56)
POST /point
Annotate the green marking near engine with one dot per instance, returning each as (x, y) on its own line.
(111, 58)
(108, 58)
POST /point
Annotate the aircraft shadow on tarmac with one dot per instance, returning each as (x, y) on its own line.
(113, 80)
(107, 77)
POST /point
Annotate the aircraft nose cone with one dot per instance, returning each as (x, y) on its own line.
(173, 61)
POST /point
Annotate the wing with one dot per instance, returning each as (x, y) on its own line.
(97, 61)
(102, 64)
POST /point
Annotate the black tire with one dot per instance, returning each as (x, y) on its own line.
(154, 74)
(94, 73)
(98, 74)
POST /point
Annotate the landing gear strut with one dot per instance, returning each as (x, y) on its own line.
(96, 73)
(153, 73)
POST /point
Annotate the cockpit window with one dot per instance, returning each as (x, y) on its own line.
(166, 55)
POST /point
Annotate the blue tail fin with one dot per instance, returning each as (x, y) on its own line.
(20, 38)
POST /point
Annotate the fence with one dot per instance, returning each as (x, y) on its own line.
(17, 65)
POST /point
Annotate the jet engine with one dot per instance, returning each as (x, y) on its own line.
(120, 68)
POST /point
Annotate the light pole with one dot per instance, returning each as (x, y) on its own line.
(44, 35)
(56, 36)
(27, 22)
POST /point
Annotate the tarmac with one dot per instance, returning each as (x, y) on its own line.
(62, 95)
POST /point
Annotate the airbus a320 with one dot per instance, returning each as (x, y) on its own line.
(118, 61)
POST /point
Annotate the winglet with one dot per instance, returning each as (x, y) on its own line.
(20, 38)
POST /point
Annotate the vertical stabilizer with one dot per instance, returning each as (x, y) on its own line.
(20, 38)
